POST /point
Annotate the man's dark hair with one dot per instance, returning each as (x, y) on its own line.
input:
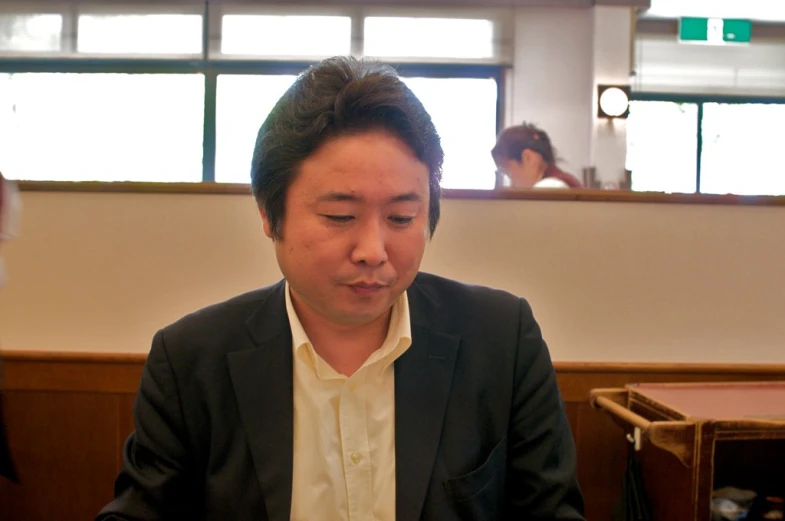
(514, 140)
(339, 96)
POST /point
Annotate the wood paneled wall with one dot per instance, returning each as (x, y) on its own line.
(68, 415)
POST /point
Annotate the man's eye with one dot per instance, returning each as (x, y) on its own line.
(399, 219)
(340, 218)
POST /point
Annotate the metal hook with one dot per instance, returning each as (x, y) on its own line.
(635, 438)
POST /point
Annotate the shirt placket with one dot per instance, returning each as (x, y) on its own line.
(356, 447)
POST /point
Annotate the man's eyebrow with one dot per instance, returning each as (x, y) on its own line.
(408, 196)
(338, 196)
(347, 196)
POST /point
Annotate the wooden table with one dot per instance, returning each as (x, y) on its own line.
(695, 438)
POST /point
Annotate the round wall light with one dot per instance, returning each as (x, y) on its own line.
(613, 101)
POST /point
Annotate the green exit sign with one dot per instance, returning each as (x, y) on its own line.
(716, 31)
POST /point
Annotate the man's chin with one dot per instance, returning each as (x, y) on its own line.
(361, 316)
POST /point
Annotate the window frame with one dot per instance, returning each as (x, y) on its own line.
(66, 15)
(700, 100)
(71, 25)
(211, 63)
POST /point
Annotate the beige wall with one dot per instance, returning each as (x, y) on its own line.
(608, 281)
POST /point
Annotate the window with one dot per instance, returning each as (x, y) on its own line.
(738, 141)
(101, 127)
(742, 149)
(30, 32)
(428, 37)
(92, 92)
(464, 113)
(267, 35)
(662, 146)
(140, 34)
(467, 134)
(242, 104)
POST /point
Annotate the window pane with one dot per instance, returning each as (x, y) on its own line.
(101, 127)
(286, 35)
(742, 149)
(140, 34)
(467, 135)
(428, 37)
(464, 112)
(662, 146)
(242, 104)
(35, 32)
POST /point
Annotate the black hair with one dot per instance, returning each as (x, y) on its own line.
(339, 96)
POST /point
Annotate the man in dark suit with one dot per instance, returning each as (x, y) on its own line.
(357, 388)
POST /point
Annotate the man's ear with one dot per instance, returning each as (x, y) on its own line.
(268, 231)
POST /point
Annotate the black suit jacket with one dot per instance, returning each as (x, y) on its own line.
(480, 428)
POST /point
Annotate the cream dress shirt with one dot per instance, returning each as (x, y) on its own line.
(344, 428)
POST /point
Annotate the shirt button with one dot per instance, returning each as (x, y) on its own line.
(356, 457)
(352, 386)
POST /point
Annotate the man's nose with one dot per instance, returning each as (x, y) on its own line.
(370, 247)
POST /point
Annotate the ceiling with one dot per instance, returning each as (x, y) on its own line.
(757, 10)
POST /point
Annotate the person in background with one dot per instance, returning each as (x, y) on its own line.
(9, 215)
(357, 387)
(525, 155)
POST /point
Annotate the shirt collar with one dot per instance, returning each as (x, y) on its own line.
(398, 340)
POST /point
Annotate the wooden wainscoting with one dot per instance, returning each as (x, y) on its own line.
(68, 415)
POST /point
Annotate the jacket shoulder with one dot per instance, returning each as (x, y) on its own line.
(217, 328)
(471, 310)
(449, 291)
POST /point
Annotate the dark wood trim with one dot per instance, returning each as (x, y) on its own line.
(134, 187)
(82, 357)
(125, 358)
(669, 368)
(120, 372)
(52, 371)
(576, 380)
(606, 196)
(74, 357)
(100, 378)
(614, 196)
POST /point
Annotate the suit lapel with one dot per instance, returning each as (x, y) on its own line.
(262, 381)
(423, 375)
(263, 386)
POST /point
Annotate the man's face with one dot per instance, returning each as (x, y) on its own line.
(355, 228)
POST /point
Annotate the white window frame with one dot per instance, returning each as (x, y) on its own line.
(217, 12)
(33, 8)
(502, 20)
(131, 9)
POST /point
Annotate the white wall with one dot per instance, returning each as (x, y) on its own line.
(560, 56)
(613, 37)
(607, 281)
(665, 65)
(553, 78)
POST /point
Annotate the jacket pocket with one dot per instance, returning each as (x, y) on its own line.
(472, 484)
